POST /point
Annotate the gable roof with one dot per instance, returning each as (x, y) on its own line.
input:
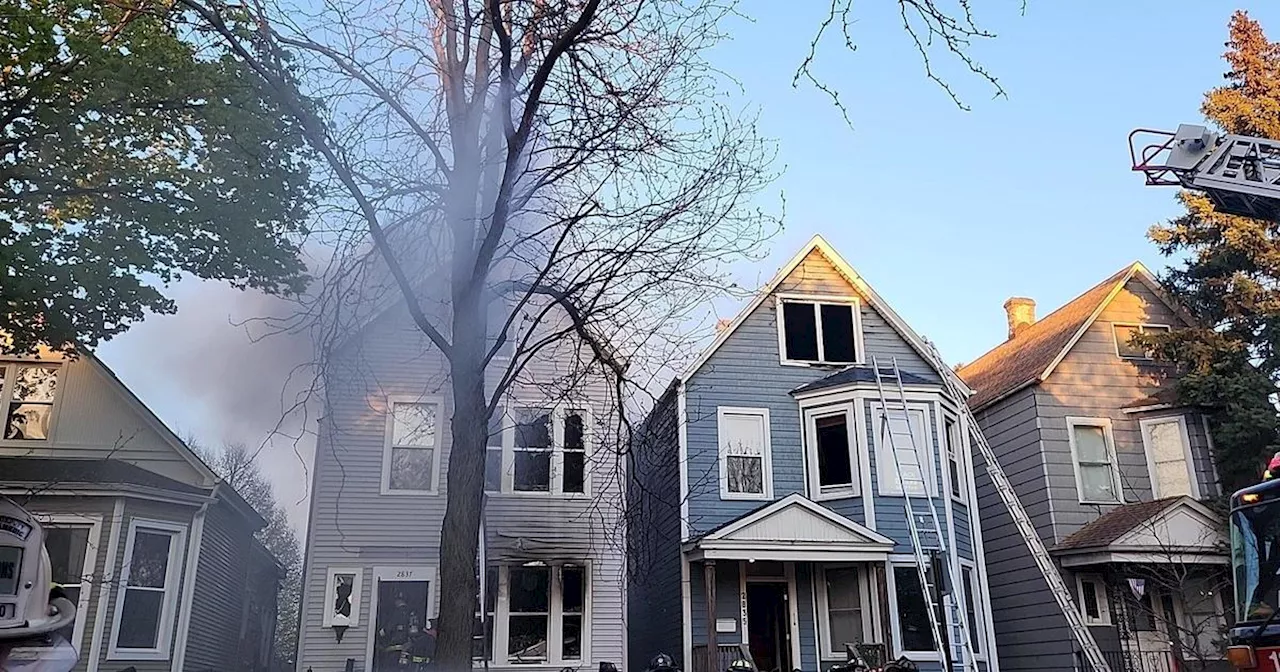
(1170, 524)
(1114, 524)
(868, 294)
(1032, 355)
(790, 510)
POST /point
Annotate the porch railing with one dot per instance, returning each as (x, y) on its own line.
(1158, 661)
(725, 654)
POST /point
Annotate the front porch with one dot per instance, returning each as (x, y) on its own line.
(793, 584)
(1151, 579)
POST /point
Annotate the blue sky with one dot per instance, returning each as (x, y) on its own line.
(946, 213)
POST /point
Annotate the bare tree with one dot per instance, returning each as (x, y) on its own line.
(522, 174)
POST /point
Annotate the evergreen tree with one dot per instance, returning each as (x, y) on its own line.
(1230, 279)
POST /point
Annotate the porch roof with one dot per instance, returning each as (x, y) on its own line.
(793, 528)
(858, 373)
(1164, 531)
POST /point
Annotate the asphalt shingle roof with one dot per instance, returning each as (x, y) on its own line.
(55, 470)
(1020, 360)
(1114, 524)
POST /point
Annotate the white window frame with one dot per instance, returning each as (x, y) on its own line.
(1109, 438)
(895, 621)
(1145, 425)
(94, 525)
(978, 625)
(1142, 328)
(406, 574)
(866, 595)
(9, 369)
(924, 452)
(819, 491)
(436, 449)
(559, 411)
(855, 305)
(1100, 591)
(953, 449)
(555, 617)
(766, 457)
(331, 594)
(172, 583)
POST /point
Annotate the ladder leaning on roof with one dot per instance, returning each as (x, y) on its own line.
(919, 505)
(1088, 646)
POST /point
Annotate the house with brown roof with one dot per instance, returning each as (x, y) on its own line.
(1114, 474)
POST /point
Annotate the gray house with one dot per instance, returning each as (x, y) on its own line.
(767, 515)
(1113, 474)
(158, 554)
(552, 517)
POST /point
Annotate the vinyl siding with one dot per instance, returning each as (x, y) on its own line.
(1031, 634)
(94, 419)
(746, 372)
(354, 525)
(216, 638)
(1092, 381)
(654, 615)
(134, 509)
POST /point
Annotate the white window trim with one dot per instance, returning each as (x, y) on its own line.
(1104, 600)
(928, 459)
(1108, 436)
(820, 492)
(979, 628)
(869, 607)
(172, 583)
(331, 594)
(555, 617)
(958, 449)
(405, 574)
(385, 485)
(855, 304)
(559, 410)
(9, 369)
(1141, 329)
(895, 629)
(766, 462)
(1145, 424)
(94, 523)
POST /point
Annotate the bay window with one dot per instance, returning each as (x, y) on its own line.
(148, 593)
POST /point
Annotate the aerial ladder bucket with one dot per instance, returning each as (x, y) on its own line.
(1239, 173)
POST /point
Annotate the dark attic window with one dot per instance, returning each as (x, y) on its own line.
(819, 332)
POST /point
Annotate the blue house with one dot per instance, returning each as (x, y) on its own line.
(766, 512)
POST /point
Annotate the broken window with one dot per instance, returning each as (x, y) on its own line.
(914, 631)
(575, 452)
(30, 408)
(819, 332)
(835, 467)
(412, 449)
(532, 450)
(530, 611)
(743, 436)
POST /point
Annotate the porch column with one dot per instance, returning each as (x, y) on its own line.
(709, 581)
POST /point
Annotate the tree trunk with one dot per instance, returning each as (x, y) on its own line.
(465, 482)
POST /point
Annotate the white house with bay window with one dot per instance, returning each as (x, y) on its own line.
(140, 533)
(552, 580)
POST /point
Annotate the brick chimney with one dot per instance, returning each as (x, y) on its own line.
(1021, 312)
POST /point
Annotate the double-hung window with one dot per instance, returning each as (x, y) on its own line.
(538, 449)
(744, 453)
(72, 544)
(973, 612)
(540, 613)
(1169, 456)
(148, 593)
(411, 457)
(904, 451)
(1097, 477)
(27, 393)
(833, 469)
(1125, 333)
(955, 464)
(845, 601)
(818, 332)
